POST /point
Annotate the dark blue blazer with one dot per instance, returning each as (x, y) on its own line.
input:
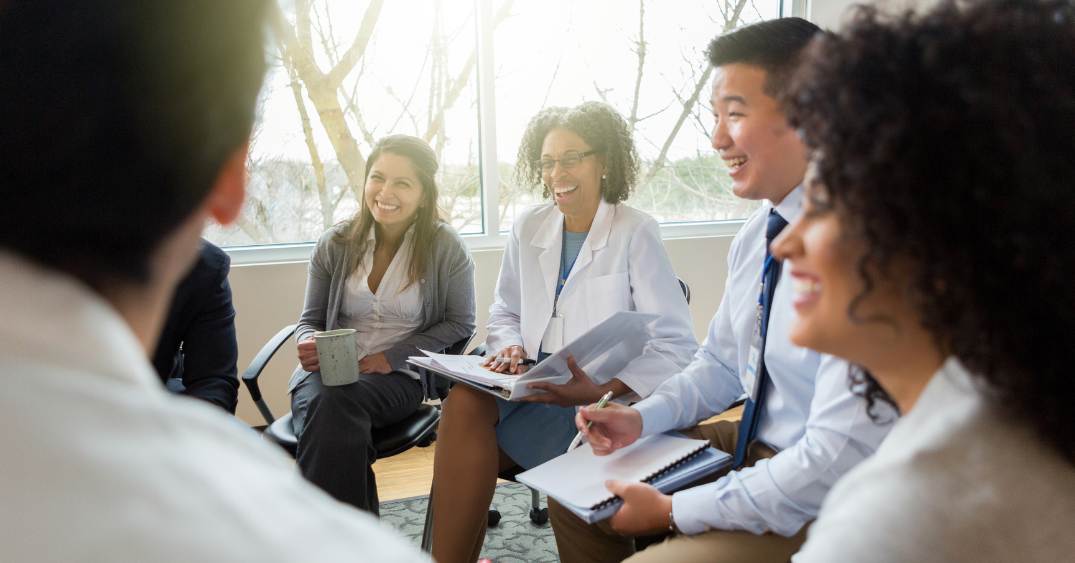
(197, 350)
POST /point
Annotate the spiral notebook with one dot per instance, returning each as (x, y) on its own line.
(577, 478)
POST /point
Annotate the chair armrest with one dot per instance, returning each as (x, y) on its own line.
(250, 375)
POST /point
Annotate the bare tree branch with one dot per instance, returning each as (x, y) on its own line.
(730, 23)
(757, 12)
(640, 50)
(452, 92)
(404, 111)
(552, 80)
(358, 47)
(654, 114)
(601, 92)
(323, 93)
(688, 106)
(410, 98)
(352, 108)
(326, 37)
(311, 147)
(302, 24)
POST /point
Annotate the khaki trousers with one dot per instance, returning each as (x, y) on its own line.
(580, 542)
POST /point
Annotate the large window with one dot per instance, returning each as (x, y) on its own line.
(344, 73)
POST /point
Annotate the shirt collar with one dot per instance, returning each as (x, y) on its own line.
(791, 206)
(407, 235)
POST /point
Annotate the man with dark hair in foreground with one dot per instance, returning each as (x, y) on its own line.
(802, 428)
(124, 128)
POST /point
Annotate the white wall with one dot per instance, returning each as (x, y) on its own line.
(269, 296)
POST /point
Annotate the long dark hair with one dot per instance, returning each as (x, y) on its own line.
(946, 139)
(426, 221)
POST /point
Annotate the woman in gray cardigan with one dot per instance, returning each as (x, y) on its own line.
(403, 280)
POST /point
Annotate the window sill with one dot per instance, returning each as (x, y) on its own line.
(300, 252)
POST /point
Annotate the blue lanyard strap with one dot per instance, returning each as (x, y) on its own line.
(561, 279)
(762, 323)
(764, 274)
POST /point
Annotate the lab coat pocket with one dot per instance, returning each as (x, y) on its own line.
(606, 295)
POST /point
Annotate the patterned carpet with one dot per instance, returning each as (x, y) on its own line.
(515, 540)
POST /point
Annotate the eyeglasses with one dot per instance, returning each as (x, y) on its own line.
(569, 160)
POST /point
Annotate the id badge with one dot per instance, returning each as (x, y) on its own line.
(553, 339)
(750, 376)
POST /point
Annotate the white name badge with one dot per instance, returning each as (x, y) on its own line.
(750, 376)
(553, 339)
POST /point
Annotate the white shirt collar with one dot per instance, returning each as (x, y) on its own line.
(407, 235)
(791, 206)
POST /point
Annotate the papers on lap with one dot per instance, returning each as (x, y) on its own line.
(577, 478)
(468, 370)
(602, 352)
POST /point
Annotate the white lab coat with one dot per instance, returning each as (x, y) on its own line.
(622, 266)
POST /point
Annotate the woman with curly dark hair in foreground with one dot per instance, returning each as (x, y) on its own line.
(569, 265)
(933, 253)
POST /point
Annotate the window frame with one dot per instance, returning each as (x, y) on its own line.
(491, 238)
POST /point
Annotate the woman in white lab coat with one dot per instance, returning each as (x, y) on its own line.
(569, 265)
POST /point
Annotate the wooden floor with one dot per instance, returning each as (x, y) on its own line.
(410, 473)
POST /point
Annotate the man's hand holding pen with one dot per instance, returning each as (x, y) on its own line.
(614, 427)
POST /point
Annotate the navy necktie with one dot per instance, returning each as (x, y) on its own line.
(748, 426)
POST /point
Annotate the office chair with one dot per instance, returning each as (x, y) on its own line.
(418, 429)
(539, 515)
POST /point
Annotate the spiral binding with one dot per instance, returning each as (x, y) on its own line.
(649, 478)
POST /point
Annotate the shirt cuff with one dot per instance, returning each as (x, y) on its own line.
(690, 506)
(658, 415)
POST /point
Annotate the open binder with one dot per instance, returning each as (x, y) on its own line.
(577, 478)
(602, 352)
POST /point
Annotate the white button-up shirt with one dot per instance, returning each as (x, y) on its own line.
(392, 314)
(809, 416)
(101, 464)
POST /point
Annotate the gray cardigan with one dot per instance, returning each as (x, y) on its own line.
(447, 291)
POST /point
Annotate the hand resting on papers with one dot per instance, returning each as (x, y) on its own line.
(515, 355)
(614, 427)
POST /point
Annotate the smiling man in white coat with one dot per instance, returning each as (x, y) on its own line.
(802, 427)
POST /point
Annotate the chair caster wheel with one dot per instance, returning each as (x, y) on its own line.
(494, 518)
(539, 517)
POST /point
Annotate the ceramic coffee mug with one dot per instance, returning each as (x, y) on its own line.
(337, 352)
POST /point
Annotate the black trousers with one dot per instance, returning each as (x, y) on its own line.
(334, 426)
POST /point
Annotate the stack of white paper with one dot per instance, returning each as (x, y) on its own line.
(602, 352)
